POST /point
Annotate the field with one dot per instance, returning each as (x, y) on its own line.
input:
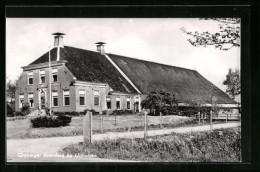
(222, 145)
(21, 128)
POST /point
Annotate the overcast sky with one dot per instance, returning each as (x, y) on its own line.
(159, 40)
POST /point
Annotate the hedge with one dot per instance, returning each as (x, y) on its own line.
(51, 121)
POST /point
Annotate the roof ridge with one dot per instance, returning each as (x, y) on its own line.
(81, 49)
(153, 62)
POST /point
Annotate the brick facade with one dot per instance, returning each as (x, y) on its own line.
(66, 81)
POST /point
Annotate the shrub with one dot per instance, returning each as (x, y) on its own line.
(73, 113)
(222, 145)
(51, 121)
(10, 110)
(122, 112)
(19, 113)
(25, 108)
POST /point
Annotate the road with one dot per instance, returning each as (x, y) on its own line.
(46, 149)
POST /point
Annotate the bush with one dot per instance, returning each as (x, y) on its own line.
(19, 113)
(51, 121)
(10, 110)
(122, 112)
(74, 113)
(25, 108)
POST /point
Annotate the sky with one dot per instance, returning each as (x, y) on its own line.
(155, 39)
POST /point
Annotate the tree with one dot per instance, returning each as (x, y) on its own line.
(160, 101)
(233, 83)
(10, 90)
(227, 37)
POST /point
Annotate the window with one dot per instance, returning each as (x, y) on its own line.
(128, 103)
(42, 76)
(108, 99)
(118, 103)
(21, 100)
(96, 98)
(54, 75)
(55, 99)
(82, 97)
(30, 100)
(30, 78)
(66, 97)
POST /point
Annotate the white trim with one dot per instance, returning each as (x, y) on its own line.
(82, 83)
(122, 73)
(43, 65)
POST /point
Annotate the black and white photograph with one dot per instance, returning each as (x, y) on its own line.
(123, 90)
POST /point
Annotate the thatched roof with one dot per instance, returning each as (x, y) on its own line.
(185, 84)
(91, 66)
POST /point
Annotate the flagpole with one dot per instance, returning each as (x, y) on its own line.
(50, 77)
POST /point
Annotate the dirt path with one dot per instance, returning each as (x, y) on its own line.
(40, 150)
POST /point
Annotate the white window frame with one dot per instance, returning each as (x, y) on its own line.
(54, 96)
(54, 71)
(42, 73)
(21, 96)
(129, 101)
(29, 97)
(65, 91)
(110, 103)
(30, 75)
(81, 93)
(96, 93)
(118, 98)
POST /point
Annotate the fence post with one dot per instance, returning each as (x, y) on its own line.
(199, 117)
(160, 119)
(227, 118)
(145, 125)
(101, 122)
(87, 128)
(210, 120)
(115, 118)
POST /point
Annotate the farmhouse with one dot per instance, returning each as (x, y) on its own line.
(77, 79)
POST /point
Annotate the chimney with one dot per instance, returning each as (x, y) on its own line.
(100, 47)
(58, 42)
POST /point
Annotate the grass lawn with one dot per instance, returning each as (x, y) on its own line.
(223, 145)
(22, 128)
